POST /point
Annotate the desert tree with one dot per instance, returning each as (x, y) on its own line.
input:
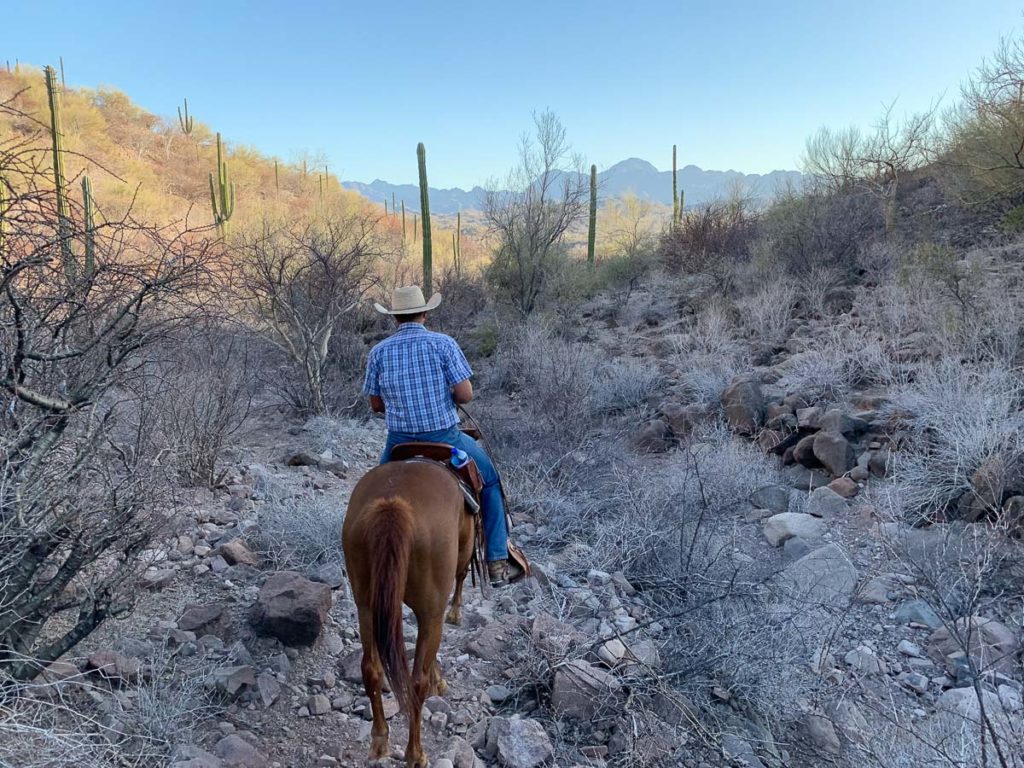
(544, 195)
(298, 281)
(81, 483)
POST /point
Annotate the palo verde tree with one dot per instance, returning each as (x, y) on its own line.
(529, 214)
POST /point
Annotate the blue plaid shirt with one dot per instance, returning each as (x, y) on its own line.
(413, 371)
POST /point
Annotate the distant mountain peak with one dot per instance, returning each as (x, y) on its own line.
(631, 176)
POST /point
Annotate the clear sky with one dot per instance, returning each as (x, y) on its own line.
(735, 83)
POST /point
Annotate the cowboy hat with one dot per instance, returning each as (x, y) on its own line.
(408, 301)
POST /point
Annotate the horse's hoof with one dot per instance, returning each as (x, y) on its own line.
(419, 761)
(440, 687)
(454, 617)
(380, 751)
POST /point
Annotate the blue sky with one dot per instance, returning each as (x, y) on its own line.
(735, 83)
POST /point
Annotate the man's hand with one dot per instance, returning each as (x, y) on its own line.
(462, 392)
(376, 403)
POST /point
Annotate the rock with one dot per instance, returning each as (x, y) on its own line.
(908, 648)
(461, 754)
(331, 574)
(918, 612)
(112, 665)
(866, 661)
(993, 482)
(204, 619)
(809, 418)
(779, 528)
(804, 479)
(739, 751)
(554, 638)
(803, 453)
(773, 497)
(235, 552)
(233, 680)
(795, 548)
(157, 578)
(302, 459)
(189, 756)
(489, 643)
(498, 693)
(581, 690)
(653, 437)
(834, 452)
(859, 474)
(816, 585)
(992, 644)
(877, 590)
(743, 403)
(236, 752)
(915, 681)
(682, 419)
(318, 704)
(839, 423)
(291, 608)
(822, 734)
(826, 503)
(769, 440)
(845, 487)
(611, 652)
(269, 688)
(518, 743)
(1010, 698)
(880, 462)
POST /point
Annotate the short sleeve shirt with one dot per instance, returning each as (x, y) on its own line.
(413, 371)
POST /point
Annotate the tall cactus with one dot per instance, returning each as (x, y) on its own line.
(222, 192)
(63, 210)
(428, 258)
(277, 178)
(394, 210)
(592, 231)
(185, 120)
(63, 82)
(458, 241)
(90, 226)
(403, 226)
(675, 190)
(3, 211)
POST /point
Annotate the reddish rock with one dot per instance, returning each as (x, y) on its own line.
(845, 487)
(291, 608)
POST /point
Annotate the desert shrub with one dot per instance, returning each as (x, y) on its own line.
(295, 531)
(708, 355)
(465, 297)
(205, 393)
(815, 286)
(623, 385)
(709, 238)
(836, 364)
(768, 313)
(958, 416)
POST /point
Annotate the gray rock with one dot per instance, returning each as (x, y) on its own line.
(795, 548)
(839, 423)
(804, 479)
(773, 497)
(268, 687)
(803, 453)
(653, 437)
(918, 612)
(331, 574)
(236, 752)
(908, 648)
(744, 405)
(809, 418)
(581, 690)
(235, 680)
(866, 661)
(738, 750)
(318, 704)
(291, 608)
(778, 528)
(822, 734)
(518, 743)
(497, 693)
(554, 638)
(834, 452)
(826, 503)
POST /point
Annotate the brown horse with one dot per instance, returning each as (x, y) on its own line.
(407, 538)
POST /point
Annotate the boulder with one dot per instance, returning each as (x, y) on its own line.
(879, 462)
(992, 644)
(918, 612)
(778, 528)
(189, 756)
(518, 743)
(866, 661)
(112, 665)
(235, 680)
(743, 403)
(845, 486)
(839, 423)
(157, 578)
(773, 497)
(816, 585)
(809, 418)
(236, 553)
(804, 479)
(834, 452)
(803, 453)
(682, 419)
(291, 608)
(236, 752)
(653, 437)
(204, 619)
(554, 638)
(581, 690)
(826, 503)
(821, 733)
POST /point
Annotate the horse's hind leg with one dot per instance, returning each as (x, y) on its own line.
(424, 671)
(455, 611)
(373, 676)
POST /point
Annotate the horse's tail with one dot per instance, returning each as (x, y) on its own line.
(389, 538)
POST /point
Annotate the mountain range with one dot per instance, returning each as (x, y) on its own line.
(634, 176)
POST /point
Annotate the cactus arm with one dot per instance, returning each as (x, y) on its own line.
(90, 226)
(63, 210)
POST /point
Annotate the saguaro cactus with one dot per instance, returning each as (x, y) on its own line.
(394, 209)
(222, 192)
(592, 232)
(63, 211)
(90, 225)
(277, 178)
(428, 258)
(3, 211)
(458, 241)
(63, 82)
(675, 190)
(185, 119)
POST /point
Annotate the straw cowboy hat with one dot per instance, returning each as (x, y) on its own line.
(408, 301)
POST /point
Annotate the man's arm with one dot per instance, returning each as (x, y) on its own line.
(377, 403)
(462, 392)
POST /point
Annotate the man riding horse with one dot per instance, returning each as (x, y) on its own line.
(417, 378)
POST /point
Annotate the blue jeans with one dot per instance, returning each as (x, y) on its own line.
(492, 506)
